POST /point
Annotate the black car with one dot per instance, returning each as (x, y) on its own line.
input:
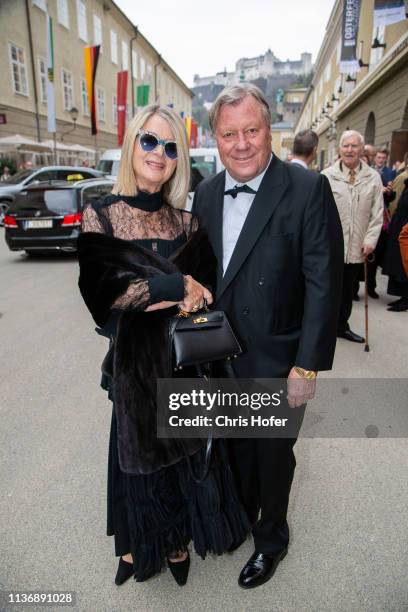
(21, 180)
(47, 217)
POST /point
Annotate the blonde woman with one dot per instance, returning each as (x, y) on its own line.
(155, 504)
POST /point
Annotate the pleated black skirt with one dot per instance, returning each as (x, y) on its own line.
(154, 515)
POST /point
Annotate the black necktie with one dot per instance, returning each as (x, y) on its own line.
(236, 190)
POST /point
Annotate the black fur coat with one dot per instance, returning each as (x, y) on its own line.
(139, 354)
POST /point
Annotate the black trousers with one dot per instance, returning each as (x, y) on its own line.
(376, 260)
(350, 277)
(263, 469)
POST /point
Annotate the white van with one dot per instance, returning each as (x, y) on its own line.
(204, 163)
(109, 162)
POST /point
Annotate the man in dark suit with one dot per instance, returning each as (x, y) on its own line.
(277, 236)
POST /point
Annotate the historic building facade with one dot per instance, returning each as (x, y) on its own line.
(374, 100)
(76, 24)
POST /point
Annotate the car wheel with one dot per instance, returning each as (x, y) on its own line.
(4, 207)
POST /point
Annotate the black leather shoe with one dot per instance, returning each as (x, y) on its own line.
(349, 335)
(259, 569)
(395, 302)
(125, 571)
(180, 569)
(373, 294)
(399, 307)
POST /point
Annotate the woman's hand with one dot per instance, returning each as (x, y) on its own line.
(195, 294)
(194, 297)
(161, 306)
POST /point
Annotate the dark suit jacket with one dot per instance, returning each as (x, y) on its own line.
(282, 287)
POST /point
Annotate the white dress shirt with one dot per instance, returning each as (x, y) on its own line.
(235, 212)
(299, 162)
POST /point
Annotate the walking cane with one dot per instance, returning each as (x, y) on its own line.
(366, 348)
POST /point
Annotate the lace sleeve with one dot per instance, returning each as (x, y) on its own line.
(137, 296)
(90, 221)
(190, 223)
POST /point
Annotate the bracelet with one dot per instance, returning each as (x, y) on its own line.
(309, 374)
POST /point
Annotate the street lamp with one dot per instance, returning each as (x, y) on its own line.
(74, 116)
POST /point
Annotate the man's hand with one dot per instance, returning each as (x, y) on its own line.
(195, 294)
(387, 190)
(300, 389)
(367, 249)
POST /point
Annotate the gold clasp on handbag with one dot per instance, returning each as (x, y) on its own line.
(200, 320)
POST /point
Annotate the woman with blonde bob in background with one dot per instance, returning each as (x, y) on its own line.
(141, 257)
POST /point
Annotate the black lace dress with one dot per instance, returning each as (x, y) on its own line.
(154, 515)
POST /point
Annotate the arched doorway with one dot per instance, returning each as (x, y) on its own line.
(369, 135)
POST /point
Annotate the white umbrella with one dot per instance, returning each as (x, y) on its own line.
(19, 142)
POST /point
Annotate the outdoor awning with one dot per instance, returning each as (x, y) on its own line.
(18, 142)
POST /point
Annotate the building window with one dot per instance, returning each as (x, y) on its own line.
(18, 69)
(127, 115)
(142, 68)
(97, 23)
(327, 71)
(369, 135)
(125, 56)
(41, 4)
(43, 79)
(81, 15)
(114, 46)
(134, 65)
(100, 101)
(84, 99)
(115, 110)
(376, 54)
(67, 89)
(62, 11)
(149, 74)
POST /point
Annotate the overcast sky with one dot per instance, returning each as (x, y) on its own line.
(203, 36)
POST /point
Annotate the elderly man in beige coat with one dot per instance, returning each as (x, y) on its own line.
(358, 193)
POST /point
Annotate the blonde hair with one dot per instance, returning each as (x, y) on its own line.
(177, 187)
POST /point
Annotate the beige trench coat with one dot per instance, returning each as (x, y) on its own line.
(360, 206)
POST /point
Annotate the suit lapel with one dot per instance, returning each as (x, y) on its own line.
(215, 211)
(270, 193)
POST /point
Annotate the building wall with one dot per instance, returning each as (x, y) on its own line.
(148, 68)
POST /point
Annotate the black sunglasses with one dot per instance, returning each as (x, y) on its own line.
(149, 142)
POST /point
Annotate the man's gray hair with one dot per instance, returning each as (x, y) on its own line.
(235, 94)
(305, 142)
(349, 134)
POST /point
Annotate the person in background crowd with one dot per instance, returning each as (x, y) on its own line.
(393, 262)
(28, 165)
(387, 176)
(357, 191)
(5, 174)
(289, 156)
(305, 148)
(370, 151)
(365, 159)
(396, 166)
(85, 163)
(398, 185)
(403, 241)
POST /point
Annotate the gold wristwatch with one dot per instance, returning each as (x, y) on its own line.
(309, 374)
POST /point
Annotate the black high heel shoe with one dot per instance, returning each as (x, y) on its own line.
(179, 569)
(125, 571)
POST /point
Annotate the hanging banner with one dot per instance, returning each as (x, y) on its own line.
(351, 17)
(91, 56)
(51, 122)
(387, 12)
(142, 95)
(187, 121)
(122, 95)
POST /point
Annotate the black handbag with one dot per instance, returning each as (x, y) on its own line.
(200, 338)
